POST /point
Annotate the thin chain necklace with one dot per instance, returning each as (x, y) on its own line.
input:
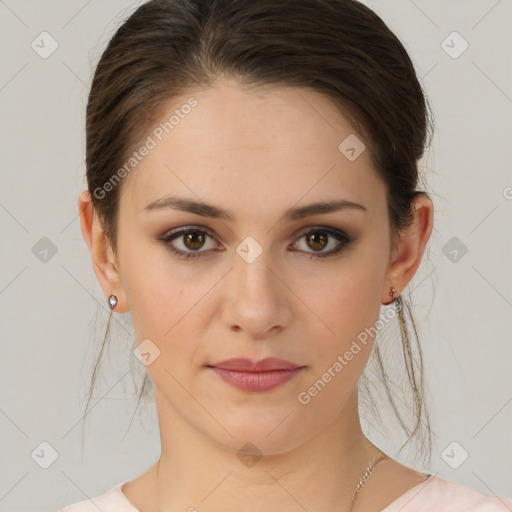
(367, 473)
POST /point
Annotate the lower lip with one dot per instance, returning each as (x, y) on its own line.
(256, 381)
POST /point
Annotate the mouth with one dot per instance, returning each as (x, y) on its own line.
(263, 375)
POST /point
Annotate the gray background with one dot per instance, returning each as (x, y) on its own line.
(53, 312)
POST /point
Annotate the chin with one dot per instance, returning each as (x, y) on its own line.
(270, 435)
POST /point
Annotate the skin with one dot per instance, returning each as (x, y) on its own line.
(274, 149)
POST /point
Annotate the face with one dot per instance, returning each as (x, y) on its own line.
(254, 283)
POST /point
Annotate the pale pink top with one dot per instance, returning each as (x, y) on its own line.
(434, 494)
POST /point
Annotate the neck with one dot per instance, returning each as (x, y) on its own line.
(194, 472)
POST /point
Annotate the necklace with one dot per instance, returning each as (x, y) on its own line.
(367, 473)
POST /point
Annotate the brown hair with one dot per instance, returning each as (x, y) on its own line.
(340, 48)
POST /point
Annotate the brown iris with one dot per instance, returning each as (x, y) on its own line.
(317, 240)
(194, 240)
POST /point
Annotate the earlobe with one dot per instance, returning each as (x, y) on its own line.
(102, 255)
(410, 246)
(393, 294)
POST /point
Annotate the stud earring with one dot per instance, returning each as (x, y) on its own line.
(112, 300)
(391, 294)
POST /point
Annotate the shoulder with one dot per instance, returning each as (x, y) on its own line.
(111, 501)
(438, 494)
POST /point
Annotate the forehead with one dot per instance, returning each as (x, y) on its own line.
(269, 146)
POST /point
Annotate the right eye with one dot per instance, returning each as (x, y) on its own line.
(190, 242)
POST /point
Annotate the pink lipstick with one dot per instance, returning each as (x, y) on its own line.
(262, 375)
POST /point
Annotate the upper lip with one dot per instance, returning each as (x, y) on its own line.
(243, 364)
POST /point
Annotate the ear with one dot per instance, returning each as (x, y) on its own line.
(103, 260)
(409, 250)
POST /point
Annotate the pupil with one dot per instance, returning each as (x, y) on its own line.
(195, 239)
(318, 239)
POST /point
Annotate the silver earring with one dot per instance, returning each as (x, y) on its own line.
(112, 300)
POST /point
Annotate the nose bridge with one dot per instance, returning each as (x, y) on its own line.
(253, 266)
(257, 303)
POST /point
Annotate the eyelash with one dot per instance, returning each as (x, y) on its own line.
(341, 236)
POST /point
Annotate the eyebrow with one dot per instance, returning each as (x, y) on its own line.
(209, 210)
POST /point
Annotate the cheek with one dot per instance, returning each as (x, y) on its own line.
(161, 303)
(162, 311)
(348, 307)
(351, 295)
(151, 290)
(168, 301)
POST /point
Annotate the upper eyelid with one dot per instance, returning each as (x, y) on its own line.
(185, 229)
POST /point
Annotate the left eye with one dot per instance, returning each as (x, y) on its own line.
(319, 239)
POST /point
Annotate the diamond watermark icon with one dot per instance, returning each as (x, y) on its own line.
(146, 352)
(249, 455)
(44, 45)
(249, 249)
(351, 147)
(454, 455)
(44, 250)
(454, 45)
(454, 249)
(44, 455)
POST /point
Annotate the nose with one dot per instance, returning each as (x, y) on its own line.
(257, 300)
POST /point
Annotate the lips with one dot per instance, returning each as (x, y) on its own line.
(263, 375)
(263, 365)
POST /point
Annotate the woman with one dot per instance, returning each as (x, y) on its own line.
(252, 201)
